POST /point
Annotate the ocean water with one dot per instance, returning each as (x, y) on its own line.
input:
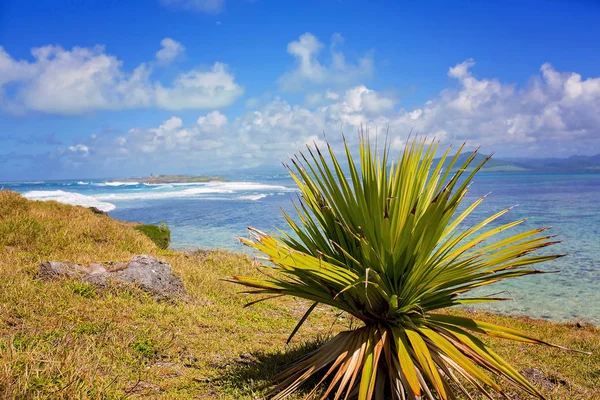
(213, 215)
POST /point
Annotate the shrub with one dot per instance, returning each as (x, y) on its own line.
(159, 234)
(386, 243)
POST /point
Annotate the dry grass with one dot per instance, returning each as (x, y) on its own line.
(69, 340)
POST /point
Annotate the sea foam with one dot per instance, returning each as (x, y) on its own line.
(117, 183)
(252, 197)
(199, 190)
(75, 199)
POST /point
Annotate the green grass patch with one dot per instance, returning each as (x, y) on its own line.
(146, 346)
(82, 289)
(159, 234)
(90, 328)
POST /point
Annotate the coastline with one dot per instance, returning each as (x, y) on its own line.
(121, 343)
(169, 179)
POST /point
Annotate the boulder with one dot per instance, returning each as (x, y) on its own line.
(146, 272)
(50, 270)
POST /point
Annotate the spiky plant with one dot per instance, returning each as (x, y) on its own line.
(386, 244)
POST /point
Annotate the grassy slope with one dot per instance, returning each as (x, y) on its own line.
(68, 340)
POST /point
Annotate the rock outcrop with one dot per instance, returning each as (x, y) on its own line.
(146, 272)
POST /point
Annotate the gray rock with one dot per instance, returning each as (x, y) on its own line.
(50, 270)
(148, 273)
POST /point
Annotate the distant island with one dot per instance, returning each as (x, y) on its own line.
(570, 164)
(162, 179)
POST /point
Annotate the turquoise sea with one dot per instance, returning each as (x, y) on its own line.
(212, 215)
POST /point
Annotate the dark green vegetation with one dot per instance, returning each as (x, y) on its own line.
(68, 340)
(158, 179)
(384, 243)
(159, 234)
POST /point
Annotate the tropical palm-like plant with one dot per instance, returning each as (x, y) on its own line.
(387, 244)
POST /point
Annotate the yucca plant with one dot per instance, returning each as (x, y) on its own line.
(386, 243)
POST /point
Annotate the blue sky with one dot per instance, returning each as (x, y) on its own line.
(116, 88)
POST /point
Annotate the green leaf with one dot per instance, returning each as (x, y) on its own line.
(299, 324)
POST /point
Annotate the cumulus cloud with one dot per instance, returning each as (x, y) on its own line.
(555, 113)
(315, 140)
(262, 136)
(309, 69)
(171, 49)
(171, 138)
(13, 70)
(199, 89)
(461, 70)
(212, 122)
(361, 99)
(204, 6)
(80, 80)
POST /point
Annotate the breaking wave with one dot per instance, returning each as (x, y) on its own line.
(75, 199)
(117, 183)
(200, 190)
(252, 197)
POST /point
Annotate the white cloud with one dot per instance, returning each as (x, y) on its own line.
(309, 69)
(171, 49)
(305, 50)
(213, 121)
(314, 98)
(169, 125)
(461, 70)
(331, 95)
(200, 89)
(556, 112)
(362, 99)
(317, 141)
(79, 149)
(205, 6)
(81, 80)
(171, 138)
(13, 70)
